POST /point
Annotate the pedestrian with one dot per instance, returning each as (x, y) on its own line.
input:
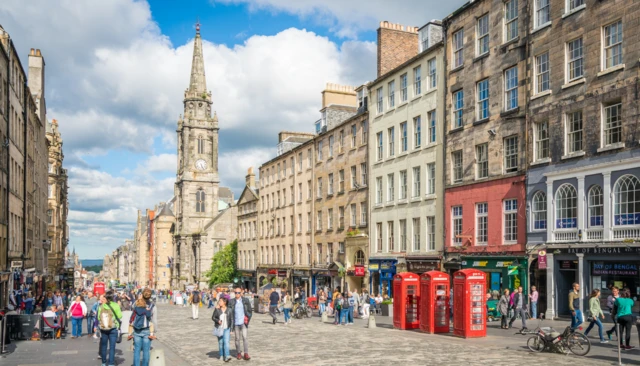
(533, 299)
(241, 309)
(57, 299)
(178, 298)
(595, 313)
(274, 299)
(287, 304)
(77, 312)
(223, 322)
(90, 301)
(352, 305)
(623, 306)
(519, 308)
(365, 299)
(356, 304)
(574, 306)
(615, 293)
(194, 300)
(503, 308)
(322, 302)
(109, 315)
(29, 303)
(337, 307)
(141, 330)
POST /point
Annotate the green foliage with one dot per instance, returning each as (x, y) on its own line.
(224, 266)
(387, 302)
(95, 269)
(264, 281)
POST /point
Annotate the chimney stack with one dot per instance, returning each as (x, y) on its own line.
(35, 81)
(396, 45)
(250, 179)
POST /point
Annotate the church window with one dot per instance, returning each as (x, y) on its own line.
(200, 200)
(200, 145)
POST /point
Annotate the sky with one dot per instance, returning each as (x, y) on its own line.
(116, 72)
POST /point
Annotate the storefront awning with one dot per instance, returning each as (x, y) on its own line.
(336, 265)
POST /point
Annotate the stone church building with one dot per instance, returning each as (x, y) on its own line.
(206, 214)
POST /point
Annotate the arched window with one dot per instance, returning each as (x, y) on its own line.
(566, 207)
(359, 258)
(200, 200)
(595, 206)
(539, 211)
(200, 145)
(627, 201)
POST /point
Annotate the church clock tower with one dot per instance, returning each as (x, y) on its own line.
(197, 180)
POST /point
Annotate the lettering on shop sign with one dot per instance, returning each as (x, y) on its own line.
(621, 269)
(601, 250)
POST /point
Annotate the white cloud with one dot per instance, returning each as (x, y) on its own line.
(233, 166)
(158, 163)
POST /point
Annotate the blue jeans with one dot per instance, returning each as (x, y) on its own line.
(287, 315)
(343, 315)
(599, 324)
(576, 319)
(223, 343)
(322, 308)
(90, 321)
(534, 310)
(108, 336)
(142, 342)
(350, 315)
(76, 324)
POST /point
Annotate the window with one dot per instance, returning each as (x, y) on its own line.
(541, 137)
(432, 126)
(331, 146)
(390, 243)
(403, 235)
(575, 55)
(542, 72)
(341, 181)
(354, 131)
(353, 177)
(574, 132)
(359, 257)
(404, 143)
(319, 253)
(458, 106)
(510, 221)
(403, 87)
(431, 233)
(482, 223)
(308, 221)
(330, 184)
(50, 217)
(431, 178)
(416, 182)
(299, 162)
(595, 206)
(482, 161)
(341, 141)
(299, 223)
(457, 46)
(416, 235)
(50, 191)
(574, 4)
(319, 221)
(308, 253)
(457, 166)
(378, 190)
(511, 88)
(541, 12)
(330, 219)
(200, 145)
(363, 173)
(363, 214)
(511, 154)
(457, 225)
(627, 201)
(308, 190)
(379, 139)
(309, 158)
(612, 45)
(417, 80)
(352, 214)
(200, 201)
(417, 132)
(379, 96)
(482, 35)
(299, 192)
(432, 73)
(403, 185)
(329, 252)
(510, 20)
(341, 217)
(319, 150)
(566, 207)
(379, 237)
(612, 124)
(390, 188)
(392, 94)
(391, 136)
(363, 127)
(319, 191)
(293, 166)
(483, 99)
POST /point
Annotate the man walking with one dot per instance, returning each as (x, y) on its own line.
(274, 299)
(615, 293)
(574, 306)
(533, 297)
(194, 300)
(241, 310)
(520, 307)
(91, 315)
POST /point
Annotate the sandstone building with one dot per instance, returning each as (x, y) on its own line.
(248, 205)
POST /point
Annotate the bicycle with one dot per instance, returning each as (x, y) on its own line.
(549, 339)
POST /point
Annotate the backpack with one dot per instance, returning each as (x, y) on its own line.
(107, 319)
(140, 318)
(339, 304)
(196, 297)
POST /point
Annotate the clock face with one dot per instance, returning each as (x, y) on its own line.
(201, 164)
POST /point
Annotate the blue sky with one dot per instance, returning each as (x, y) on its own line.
(116, 71)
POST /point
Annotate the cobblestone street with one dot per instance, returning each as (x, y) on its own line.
(309, 342)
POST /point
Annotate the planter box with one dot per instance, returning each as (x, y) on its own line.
(387, 309)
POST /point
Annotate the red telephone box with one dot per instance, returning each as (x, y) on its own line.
(434, 302)
(406, 290)
(469, 303)
(98, 288)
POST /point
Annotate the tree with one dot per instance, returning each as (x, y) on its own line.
(224, 265)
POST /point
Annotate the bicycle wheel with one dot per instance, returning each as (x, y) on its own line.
(578, 344)
(535, 343)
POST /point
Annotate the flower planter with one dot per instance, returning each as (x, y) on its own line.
(387, 310)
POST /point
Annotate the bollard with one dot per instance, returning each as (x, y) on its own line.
(156, 357)
(372, 321)
(325, 317)
(618, 341)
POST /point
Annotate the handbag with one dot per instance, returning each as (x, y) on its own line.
(119, 336)
(218, 331)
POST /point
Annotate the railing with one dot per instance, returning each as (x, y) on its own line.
(561, 236)
(594, 235)
(620, 233)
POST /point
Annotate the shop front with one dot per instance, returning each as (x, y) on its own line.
(502, 272)
(248, 280)
(324, 279)
(423, 264)
(301, 279)
(381, 274)
(355, 279)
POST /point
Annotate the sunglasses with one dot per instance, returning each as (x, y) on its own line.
(238, 293)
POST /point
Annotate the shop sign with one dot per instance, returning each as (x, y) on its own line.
(351, 272)
(627, 219)
(600, 250)
(282, 273)
(374, 266)
(385, 266)
(56, 278)
(503, 264)
(542, 259)
(359, 271)
(247, 274)
(512, 270)
(298, 273)
(567, 223)
(272, 272)
(480, 263)
(421, 266)
(567, 265)
(620, 269)
(16, 264)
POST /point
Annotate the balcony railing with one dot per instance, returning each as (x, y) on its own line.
(621, 233)
(594, 235)
(562, 236)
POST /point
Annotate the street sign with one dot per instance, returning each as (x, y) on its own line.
(512, 270)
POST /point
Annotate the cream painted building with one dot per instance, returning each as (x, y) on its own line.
(406, 110)
(58, 204)
(142, 250)
(164, 227)
(248, 205)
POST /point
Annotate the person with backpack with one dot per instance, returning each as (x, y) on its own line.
(90, 301)
(365, 299)
(109, 320)
(194, 300)
(77, 312)
(337, 307)
(141, 330)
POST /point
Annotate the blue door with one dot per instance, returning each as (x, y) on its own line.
(495, 281)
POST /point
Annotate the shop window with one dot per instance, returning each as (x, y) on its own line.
(539, 211)
(566, 207)
(595, 206)
(627, 201)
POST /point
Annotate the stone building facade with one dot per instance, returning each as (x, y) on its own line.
(58, 204)
(583, 180)
(141, 255)
(406, 106)
(164, 226)
(485, 200)
(248, 206)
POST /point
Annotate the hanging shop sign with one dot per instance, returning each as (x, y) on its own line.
(272, 272)
(282, 273)
(542, 259)
(374, 266)
(359, 271)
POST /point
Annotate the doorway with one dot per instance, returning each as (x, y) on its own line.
(566, 278)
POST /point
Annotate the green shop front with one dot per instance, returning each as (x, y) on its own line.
(502, 272)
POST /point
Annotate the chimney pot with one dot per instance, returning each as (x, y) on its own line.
(32, 52)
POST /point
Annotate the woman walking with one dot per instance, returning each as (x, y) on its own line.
(223, 321)
(596, 314)
(623, 306)
(141, 331)
(77, 312)
(109, 320)
(322, 300)
(286, 307)
(503, 308)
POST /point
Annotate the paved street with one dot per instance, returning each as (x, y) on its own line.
(309, 342)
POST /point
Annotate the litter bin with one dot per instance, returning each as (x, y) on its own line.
(638, 327)
(256, 303)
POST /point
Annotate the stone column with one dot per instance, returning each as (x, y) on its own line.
(581, 277)
(581, 211)
(550, 216)
(606, 195)
(551, 288)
